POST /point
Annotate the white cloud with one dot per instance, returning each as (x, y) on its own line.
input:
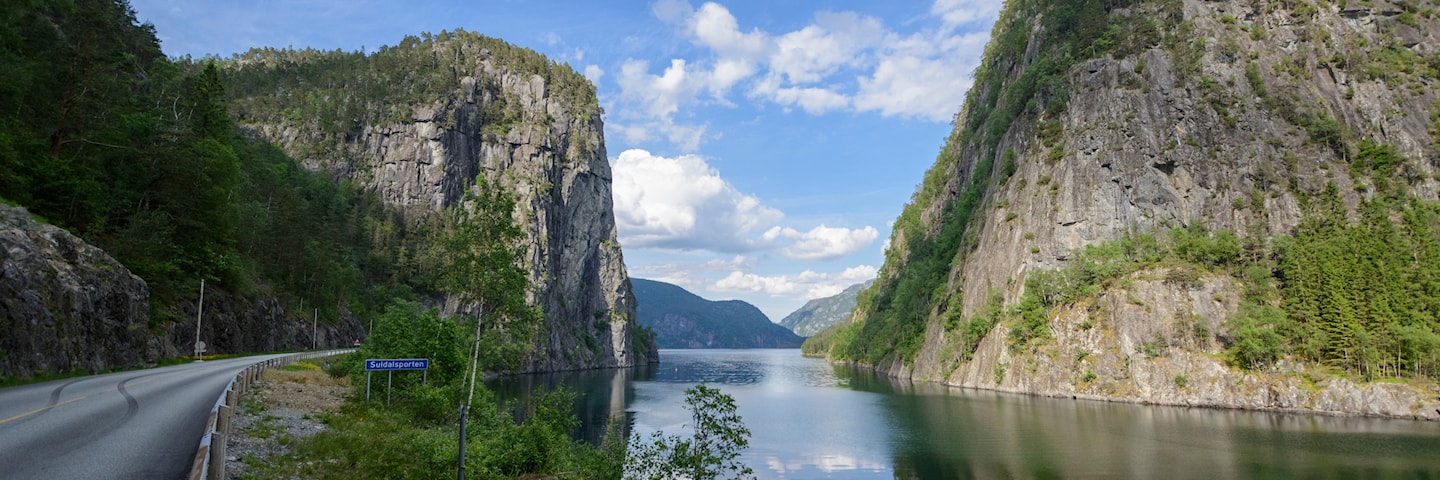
(827, 243)
(814, 101)
(914, 86)
(820, 49)
(593, 73)
(840, 61)
(682, 203)
(672, 11)
(715, 27)
(963, 12)
(661, 95)
(693, 277)
(659, 98)
(806, 285)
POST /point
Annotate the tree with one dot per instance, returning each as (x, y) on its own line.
(711, 452)
(480, 265)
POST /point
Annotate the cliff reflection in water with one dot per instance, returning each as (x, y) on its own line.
(944, 432)
(810, 419)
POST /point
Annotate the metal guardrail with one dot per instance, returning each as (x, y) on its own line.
(210, 455)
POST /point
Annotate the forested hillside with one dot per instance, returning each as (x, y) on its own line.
(1281, 156)
(681, 319)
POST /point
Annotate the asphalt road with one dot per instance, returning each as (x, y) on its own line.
(143, 424)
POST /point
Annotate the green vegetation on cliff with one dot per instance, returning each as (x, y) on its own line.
(1359, 295)
(1007, 87)
(341, 92)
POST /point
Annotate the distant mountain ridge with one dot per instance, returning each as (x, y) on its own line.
(821, 313)
(681, 319)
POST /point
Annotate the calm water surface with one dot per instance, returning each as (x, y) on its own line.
(809, 419)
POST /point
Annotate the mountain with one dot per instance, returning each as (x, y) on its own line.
(307, 190)
(1186, 202)
(681, 319)
(425, 124)
(820, 313)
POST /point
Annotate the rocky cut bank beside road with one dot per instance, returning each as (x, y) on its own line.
(67, 306)
(1096, 123)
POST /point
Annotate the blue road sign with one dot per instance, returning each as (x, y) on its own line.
(397, 364)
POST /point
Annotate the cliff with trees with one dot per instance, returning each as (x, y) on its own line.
(1217, 203)
(294, 211)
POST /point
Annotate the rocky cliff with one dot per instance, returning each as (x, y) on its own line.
(821, 313)
(68, 306)
(1089, 121)
(483, 109)
(681, 319)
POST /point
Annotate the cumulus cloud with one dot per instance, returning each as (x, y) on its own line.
(963, 12)
(840, 61)
(820, 49)
(682, 203)
(826, 243)
(593, 73)
(806, 285)
(715, 27)
(693, 276)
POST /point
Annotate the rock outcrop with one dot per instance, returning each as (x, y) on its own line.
(1221, 114)
(66, 305)
(1151, 341)
(512, 128)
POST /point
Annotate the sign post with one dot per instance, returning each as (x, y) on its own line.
(389, 366)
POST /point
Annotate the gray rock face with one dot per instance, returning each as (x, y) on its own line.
(66, 305)
(1146, 146)
(553, 162)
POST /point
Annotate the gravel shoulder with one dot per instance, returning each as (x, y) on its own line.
(286, 406)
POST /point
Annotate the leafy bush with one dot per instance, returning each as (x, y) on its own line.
(712, 451)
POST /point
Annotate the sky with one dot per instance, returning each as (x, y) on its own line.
(761, 149)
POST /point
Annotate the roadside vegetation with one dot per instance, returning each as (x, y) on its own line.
(416, 432)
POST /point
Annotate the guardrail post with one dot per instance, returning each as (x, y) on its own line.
(217, 456)
(222, 423)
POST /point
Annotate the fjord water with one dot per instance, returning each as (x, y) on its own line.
(810, 419)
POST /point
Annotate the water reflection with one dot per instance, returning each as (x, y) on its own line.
(600, 395)
(809, 419)
(940, 432)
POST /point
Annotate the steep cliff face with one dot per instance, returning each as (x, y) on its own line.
(534, 131)
(1090, 121)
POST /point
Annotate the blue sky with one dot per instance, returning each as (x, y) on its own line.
(761, 148)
